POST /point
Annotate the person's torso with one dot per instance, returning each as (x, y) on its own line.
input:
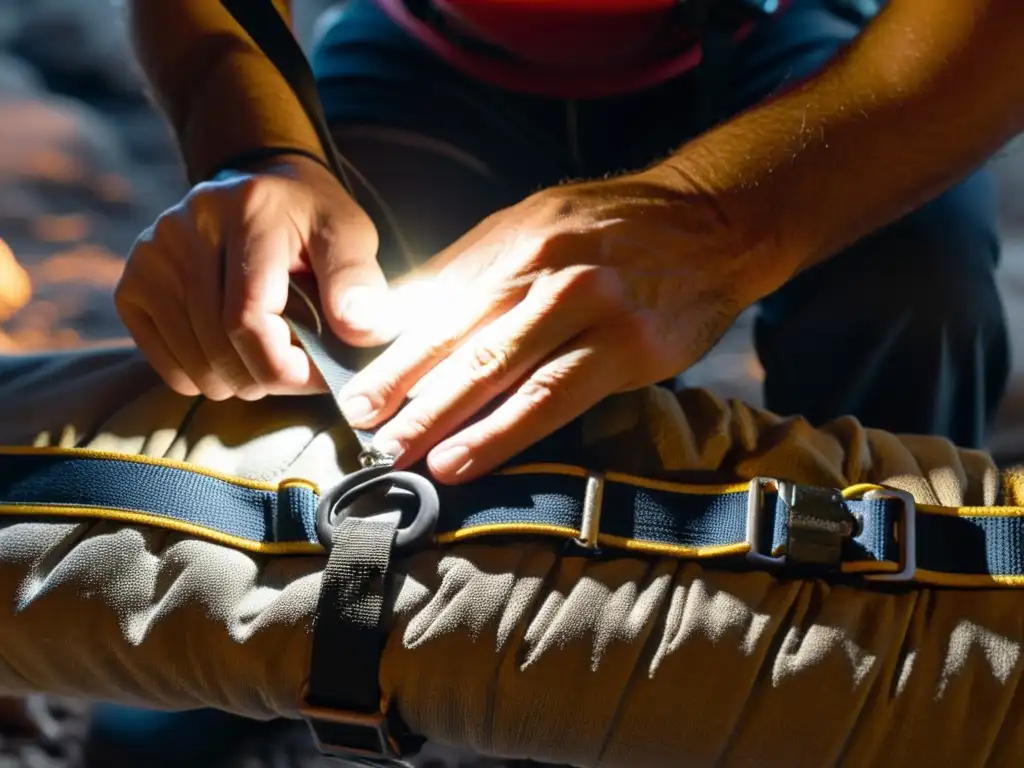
(572, 48)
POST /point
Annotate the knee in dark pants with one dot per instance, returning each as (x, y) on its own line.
(905, 330)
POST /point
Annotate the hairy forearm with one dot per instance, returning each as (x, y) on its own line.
(220, 94)
(922, 98)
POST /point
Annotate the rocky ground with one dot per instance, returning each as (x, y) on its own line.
(85, 164)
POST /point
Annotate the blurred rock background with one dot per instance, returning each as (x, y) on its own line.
(85, 165)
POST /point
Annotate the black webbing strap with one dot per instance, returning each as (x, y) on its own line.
(336, 361)
(342, 700)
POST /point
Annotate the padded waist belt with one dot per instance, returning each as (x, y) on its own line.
(865, 532)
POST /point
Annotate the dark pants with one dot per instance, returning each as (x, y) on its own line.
(904, 330)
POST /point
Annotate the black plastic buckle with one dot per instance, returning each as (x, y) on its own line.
(337, 504)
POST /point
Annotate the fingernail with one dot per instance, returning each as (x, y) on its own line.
(359, 306)
(453, 459)
(388, 446)
(357, 409)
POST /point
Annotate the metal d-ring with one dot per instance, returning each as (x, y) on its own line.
(334, 504)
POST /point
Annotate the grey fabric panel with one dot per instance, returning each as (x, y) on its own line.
(141, 616)
(516, 650)
(634, 663)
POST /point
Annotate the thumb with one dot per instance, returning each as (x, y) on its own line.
(353, 291)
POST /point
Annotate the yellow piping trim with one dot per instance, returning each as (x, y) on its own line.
(170, 523)
(941, 579)
(935, 509)
(88, 453)
(548, 468)
(491, 529)
(870, 566)
(544, 469)
(860, 489)
(298, 482)
(635, 545)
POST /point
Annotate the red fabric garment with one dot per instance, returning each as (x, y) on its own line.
(572, 49)
(564, 34)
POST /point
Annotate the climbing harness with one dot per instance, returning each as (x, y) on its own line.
(866, 535)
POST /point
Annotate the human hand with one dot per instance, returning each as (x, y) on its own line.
(212, 325)
(577, 293)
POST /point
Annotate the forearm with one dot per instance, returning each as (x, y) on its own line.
(220, 94)
(926, 94)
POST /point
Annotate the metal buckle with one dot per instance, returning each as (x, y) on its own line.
(818, 525)
(755, 510)
(593, 499)
(335, 504)
(377, 746)
(908, 529)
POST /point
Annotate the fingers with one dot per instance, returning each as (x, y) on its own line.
(571, 382)
(492, 361)
(203, 302)
(353, 290)
(377, 392)
(256, 284)
(149, 299)
(204, 289)
(151, 343)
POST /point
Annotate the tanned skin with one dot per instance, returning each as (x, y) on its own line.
(576, 293)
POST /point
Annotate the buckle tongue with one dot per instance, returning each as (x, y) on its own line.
(818, 524)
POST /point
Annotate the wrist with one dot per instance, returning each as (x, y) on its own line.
(746, 218)
(262, 159)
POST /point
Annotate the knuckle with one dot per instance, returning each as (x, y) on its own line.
(382, 393)
(597, 286)
(439, 348)
(232, 371)
(251, 393)
(487, 361)
(203, 190)
(143, 244)
(543, 390)
(209, 200)
(415, 425)
(127, 289)
(122, 303)
(241, 326)
(252, 193)
(214, 391)
(249, 190)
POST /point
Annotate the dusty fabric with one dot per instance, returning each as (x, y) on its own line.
(516, 650)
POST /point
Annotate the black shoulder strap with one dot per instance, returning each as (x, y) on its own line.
(337, 362)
